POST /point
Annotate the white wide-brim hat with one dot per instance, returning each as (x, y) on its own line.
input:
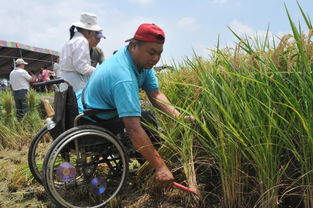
(88, 21)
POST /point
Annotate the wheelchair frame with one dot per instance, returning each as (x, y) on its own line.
(67, 144)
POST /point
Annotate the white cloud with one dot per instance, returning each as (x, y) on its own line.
(43, 24)
(116, 35)
(241, 29)
(220, 1)
(188, 23)
(246, 31)
(201, 50)
(141, 2)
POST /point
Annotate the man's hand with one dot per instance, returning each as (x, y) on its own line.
(33, 78)
(143, 145)
(164, 176)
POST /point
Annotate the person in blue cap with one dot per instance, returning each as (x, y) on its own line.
(96, 56)
(75, 61)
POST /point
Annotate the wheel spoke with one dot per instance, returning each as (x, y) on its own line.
(89, 178)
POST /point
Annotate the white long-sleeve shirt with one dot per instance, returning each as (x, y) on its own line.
(75, 63)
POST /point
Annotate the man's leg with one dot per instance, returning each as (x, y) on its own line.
(116, 126)
(18, 104)
(24, 102)
(20, 98)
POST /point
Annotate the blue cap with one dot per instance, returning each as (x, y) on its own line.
(99, 35)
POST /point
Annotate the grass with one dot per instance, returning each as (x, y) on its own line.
(251, 143)
(253, 113)
(13, 133)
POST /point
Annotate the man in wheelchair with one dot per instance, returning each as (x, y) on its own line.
(115, 85)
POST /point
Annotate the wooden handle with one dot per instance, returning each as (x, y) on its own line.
(48, 108)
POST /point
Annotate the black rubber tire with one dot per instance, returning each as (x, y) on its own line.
(56, 148)
(32, 152)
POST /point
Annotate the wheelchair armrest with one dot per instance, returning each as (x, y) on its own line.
(94, 111)
(50, 82)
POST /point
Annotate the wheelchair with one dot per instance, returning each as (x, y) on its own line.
(85, 165)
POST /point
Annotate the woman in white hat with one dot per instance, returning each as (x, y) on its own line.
(75, 63)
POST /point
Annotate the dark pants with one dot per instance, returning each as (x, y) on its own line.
(20, 98)
(117, 127)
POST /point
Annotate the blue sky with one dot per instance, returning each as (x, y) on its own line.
(189, 25)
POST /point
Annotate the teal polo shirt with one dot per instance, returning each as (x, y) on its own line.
(115, 85)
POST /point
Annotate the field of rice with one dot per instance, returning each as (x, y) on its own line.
(251, 143)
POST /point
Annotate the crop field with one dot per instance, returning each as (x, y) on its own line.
(251, 144)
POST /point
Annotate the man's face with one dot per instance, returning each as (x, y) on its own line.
(93, 40)
(147, 54)
(22, 66)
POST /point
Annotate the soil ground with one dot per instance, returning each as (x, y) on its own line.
(18, 189)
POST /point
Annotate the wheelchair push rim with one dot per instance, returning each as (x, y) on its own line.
(87, 175)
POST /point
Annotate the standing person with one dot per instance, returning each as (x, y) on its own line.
(96, 53)
(97, 56)
(56, 67)
(20, 79)
(75, 61)
(115, 85)
(44, 76)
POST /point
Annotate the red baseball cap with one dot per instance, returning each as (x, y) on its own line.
(149, 33)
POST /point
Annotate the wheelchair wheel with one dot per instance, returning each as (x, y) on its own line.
(37, 151)
(86, 166)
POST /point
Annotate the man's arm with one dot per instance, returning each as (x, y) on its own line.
(81, 58)
(29, 76)
(33, 79)
(101, 56)
(143, 145)
(160, 101)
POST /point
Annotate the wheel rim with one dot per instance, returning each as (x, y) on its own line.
(99, 172)
(38, 151)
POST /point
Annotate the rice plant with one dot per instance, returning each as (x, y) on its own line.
(301, 105)
(8, 121)
(13, 133)
(253, 112)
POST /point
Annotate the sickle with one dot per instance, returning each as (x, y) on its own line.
(182, 187)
